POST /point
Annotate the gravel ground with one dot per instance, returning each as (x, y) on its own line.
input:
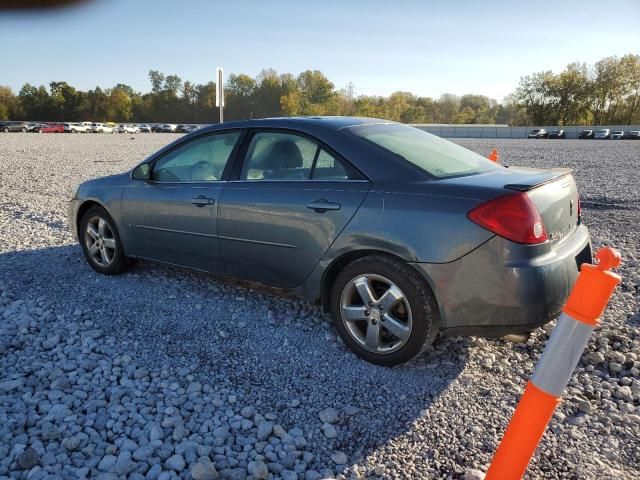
(164, 373)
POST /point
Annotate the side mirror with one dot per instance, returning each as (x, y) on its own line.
(141, 172)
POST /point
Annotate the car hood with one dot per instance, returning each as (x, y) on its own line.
(119, 180)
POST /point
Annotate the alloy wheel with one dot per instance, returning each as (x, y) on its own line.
(376, 313)
(100, 241)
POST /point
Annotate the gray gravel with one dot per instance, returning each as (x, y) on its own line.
(162, 373)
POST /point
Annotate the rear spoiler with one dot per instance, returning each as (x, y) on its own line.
(534, 178)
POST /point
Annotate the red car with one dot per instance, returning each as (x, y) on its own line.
(51, 128)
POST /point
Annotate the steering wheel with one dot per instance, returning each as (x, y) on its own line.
(203, 171)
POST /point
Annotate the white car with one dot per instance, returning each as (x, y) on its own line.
(77, 127)
(102, 128)
(602, 134)
(190, 128)
(617, 135)
(128, 129)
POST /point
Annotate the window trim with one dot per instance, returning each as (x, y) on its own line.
(241, 158)
(183, 142)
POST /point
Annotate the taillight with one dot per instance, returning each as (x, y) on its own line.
(513, 217)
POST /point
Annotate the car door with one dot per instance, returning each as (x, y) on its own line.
(290, 200)
(172, 217)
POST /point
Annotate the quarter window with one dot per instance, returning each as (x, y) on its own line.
(329, 168)
(202, 160)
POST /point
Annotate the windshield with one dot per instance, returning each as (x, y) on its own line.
(603, 131)
(434, 155)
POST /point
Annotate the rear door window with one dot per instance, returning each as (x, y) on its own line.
(287, 156)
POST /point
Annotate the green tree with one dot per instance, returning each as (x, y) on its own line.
(8, 103)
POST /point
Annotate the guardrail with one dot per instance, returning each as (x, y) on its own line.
(504, 131)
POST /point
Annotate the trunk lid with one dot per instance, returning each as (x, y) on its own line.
(555, 195)
(553, 192)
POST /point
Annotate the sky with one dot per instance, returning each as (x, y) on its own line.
(424, 47)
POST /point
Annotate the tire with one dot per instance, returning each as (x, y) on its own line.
(110, 259)
(5, 130)
(23, 130)
(414, 313)
(74, 131)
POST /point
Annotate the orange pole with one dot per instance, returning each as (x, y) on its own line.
(525, 430)
(581, 314)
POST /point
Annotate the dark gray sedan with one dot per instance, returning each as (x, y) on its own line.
(398, 233)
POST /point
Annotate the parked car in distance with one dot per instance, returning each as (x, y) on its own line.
(602, 134)
(52, 128)
(128, 129)
(556, 134)
(102, 128)
(633, 135)
(157, 128)
(190, 128)
(168, 128)
(35, 127)
(585, 134)
(77, 127)
(320, 207)
(7, 127)
(617, 135)
(538, 133)
(144, 128)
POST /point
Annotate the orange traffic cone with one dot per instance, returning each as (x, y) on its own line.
(494, 156)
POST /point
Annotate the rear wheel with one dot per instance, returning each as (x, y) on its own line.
(100, 242)
(5, 130)
(383, 310)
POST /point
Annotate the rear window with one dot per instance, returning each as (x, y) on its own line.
(434, 155)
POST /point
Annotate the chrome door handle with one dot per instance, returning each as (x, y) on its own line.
(323, 205)
(201, 201)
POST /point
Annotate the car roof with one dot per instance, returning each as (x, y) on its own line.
(335, 123)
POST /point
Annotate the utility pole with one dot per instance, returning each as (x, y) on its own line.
(350, 90)
(220, 92)
(350, 93)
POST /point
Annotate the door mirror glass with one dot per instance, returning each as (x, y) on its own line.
(141, 172)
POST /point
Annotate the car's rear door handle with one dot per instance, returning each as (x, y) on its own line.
(323, 205)
(201, 201)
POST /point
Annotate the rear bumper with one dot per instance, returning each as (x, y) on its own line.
(502, 287)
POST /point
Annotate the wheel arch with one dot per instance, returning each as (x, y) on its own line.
(338, 264)
(84, 208)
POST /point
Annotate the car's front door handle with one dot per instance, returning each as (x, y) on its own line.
(323, 205)
(201, 201)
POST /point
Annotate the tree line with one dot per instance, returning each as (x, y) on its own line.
(607, 92)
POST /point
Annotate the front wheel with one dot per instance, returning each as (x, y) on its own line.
(5, 130)
(101, 243)
(384, 310)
